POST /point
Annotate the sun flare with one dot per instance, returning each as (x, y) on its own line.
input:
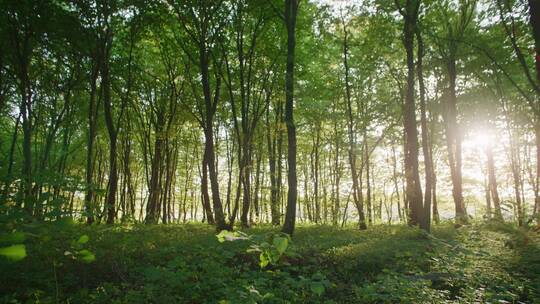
(480, 139)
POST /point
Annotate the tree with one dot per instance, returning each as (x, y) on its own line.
(455, 25)
(203, 24)
(534, 20)
(357, 194)
(410, 12)
(290, 16)
(252, 79)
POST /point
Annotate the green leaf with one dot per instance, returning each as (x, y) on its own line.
(221, 236)
(231, 236)
(281, 244)
(83, 239)
(86, 256)
(264, 260)
(317, 288)
(14, 252)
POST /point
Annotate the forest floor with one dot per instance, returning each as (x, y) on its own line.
(71, 263)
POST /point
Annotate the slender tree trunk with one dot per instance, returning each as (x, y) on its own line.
(257, 187)
(434, 207)
(428, 162)
(307, 204)
(356, 189)
(271, 139)
(370, 211)
(534, 10)
(155, 190)
(208, 121)
(315, 172)
(453, 139)
(537, 176)
(413, 187)
(492, 184)
(280, 135)
(515, 167)
(110, 202)
(395, 180)
(337, 177)
(230, 163)
(291, 11)
(245, 167)
(219, 217)
(11, 156)
(92, 130)
(27, 128)
(205, 197)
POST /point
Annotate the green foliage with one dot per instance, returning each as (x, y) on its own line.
(13, 252)
(16, 251)
(226, 235)
(271, 247)
(78, 252)
(83, 239)
(188, 264)
(392, 287)
(15, 237)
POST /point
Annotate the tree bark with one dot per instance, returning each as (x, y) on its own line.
(356, 189)
(155, 190)
(428, 161)
(492, 184)
(92, 130)
(110, 201)
(534, 10)
(291, 12)
(271, 139)
(453, 141)
(205, 197)
(413, 188)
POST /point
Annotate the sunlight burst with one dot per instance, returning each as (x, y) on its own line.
(481, 139)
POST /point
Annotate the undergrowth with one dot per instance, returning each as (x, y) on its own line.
(480, 263)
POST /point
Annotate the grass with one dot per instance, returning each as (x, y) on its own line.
(480, 263)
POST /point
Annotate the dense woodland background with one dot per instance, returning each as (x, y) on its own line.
(401, 138)
(117, 111)
(176, 111)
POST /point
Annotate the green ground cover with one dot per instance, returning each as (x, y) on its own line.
(71, 263)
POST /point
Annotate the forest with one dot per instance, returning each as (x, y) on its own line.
(269, 151)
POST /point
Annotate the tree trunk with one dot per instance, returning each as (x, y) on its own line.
(516, 176)
(315, 174)
(110, 202)
(369, 203)
(291, 10)
(271, 139)
(155, 190)
(395, 180)
(245, 167)
(92, 130)
(534, 10)
(428, 161)
(356, 189)
(413, 190)
(257, 187)
(492, 184)
(453, 140)
(537, 177)
(337, 177)
(27, 128)
(11, 160)
(205, 197)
